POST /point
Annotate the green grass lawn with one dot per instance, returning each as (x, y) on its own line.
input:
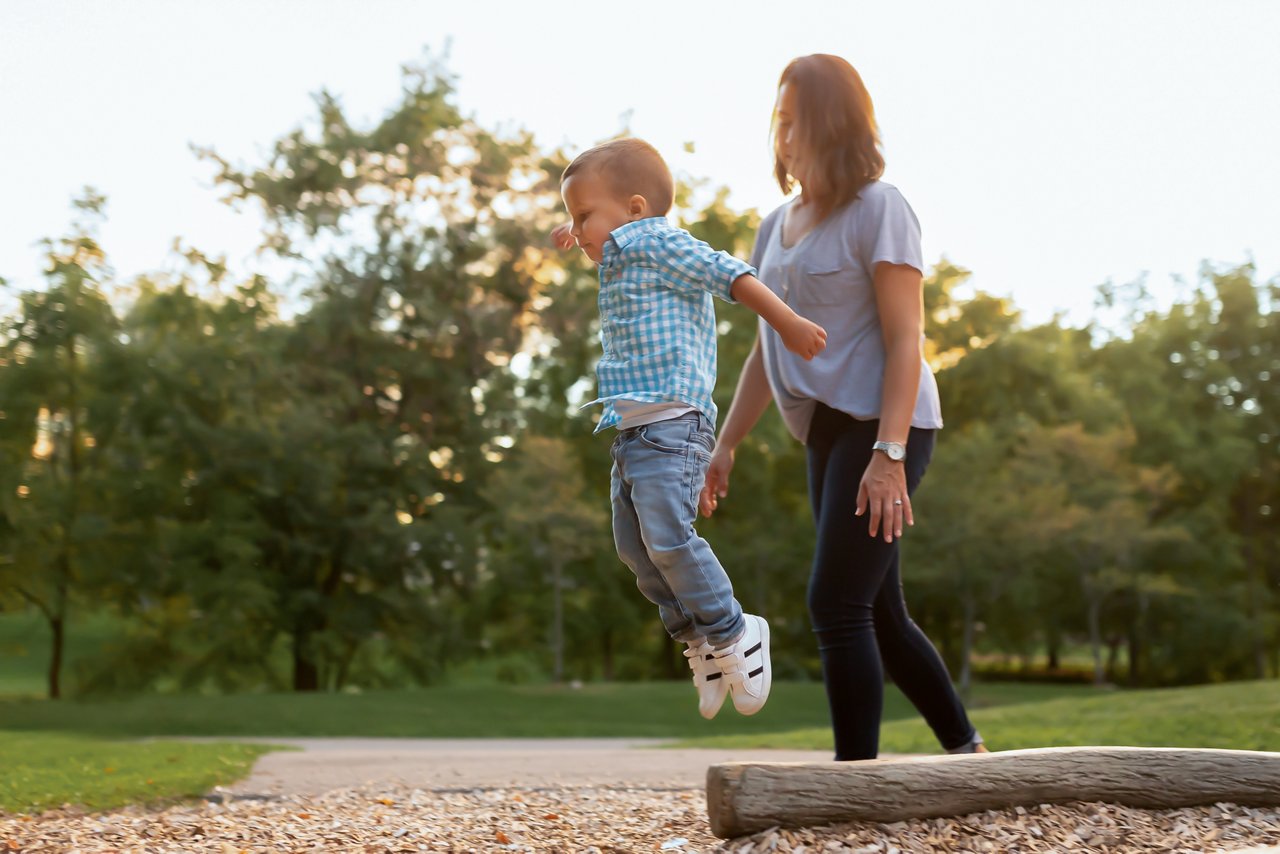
(86, 751)
(1238, 715)
(79, 751)
(647, 709)
(46, 770)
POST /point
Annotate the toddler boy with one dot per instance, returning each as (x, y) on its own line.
(658, 329)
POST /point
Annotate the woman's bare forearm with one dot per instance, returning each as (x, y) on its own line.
(901, 384)
(899, 299)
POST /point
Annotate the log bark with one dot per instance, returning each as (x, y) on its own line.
(745, 797)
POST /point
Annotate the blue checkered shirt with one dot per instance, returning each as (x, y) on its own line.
(657, 321)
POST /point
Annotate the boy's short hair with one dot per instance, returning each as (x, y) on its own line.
(631, 167)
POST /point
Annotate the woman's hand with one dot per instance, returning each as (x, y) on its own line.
(717, 482)
(883, 491)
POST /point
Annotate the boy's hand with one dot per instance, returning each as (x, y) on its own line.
(803, 337)
(561, 237)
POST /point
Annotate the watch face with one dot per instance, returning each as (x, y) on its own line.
(893, 450)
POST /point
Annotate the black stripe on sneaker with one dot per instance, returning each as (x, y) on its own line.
(754, 673)
(711, 676)
(751, 651)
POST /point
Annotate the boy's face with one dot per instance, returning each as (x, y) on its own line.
(597, 211)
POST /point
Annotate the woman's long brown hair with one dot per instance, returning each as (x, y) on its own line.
(835, 129)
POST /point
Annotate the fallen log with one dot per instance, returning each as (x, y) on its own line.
(745, 797)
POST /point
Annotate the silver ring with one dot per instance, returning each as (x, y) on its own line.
(898, 502)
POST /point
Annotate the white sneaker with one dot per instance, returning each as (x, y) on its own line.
(707, 677)
(746, 667)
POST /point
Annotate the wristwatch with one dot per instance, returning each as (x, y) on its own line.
(895, 451)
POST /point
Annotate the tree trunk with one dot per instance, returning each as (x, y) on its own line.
(945, 641)
(1054, 642)
(1137, 639)
(606, 655)
(1095, 634)
(1113, 657)
(966, 646)
(1132, 651)
(745, 797)
(57, 626)
(1254, 565)
(557, 622)
(668, 664)
(343, 671)
(306, 674)
(1258, 624)
(57, 617)
(65, 566)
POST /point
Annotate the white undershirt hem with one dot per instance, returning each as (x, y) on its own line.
(635, 414)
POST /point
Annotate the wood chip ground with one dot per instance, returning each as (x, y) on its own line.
(608, 821)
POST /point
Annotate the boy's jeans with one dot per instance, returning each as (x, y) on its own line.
(658, 471)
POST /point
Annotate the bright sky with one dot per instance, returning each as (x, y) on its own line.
(1048, 147)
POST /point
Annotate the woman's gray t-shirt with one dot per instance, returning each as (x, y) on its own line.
(827, 277)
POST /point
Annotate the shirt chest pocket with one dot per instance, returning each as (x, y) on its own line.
(825, 284)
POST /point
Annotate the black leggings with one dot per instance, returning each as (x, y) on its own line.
(855, 597)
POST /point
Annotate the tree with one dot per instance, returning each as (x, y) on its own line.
(954, 327)
(545, 525)
(55, 430)
(414, 240)
(1196, 383)
(1101, 510)
(965, 547)
(978, 540)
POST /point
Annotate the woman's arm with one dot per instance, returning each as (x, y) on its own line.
(750, 400)
(900, 302)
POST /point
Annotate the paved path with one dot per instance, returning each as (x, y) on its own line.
(324, 764)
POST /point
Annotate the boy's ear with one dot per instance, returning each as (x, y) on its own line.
(638, 207)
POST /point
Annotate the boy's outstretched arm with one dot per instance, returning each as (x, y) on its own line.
(799, 335)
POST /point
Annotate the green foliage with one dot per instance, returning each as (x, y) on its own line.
(415, 239)
(543, 527)
(323, 476)
(1196, 383)
(57, 377)
(955, 326)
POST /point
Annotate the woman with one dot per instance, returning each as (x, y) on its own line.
(846, 254)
